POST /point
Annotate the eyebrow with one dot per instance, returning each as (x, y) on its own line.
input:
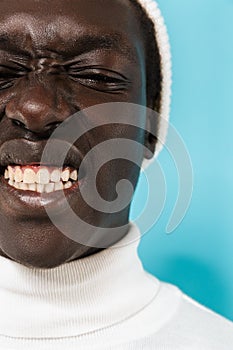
(84, 44)
(7, 43)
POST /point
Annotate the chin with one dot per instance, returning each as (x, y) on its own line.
(35, 258)
(39, 249)
(37, 243)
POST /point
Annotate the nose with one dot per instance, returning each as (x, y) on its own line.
(38, 108)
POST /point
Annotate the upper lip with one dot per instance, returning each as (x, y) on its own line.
(24, 152)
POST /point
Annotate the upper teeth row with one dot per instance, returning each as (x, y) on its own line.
(42, 176)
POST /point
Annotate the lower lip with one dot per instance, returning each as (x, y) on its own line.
(31, 203)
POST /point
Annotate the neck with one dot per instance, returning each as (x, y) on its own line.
(75, 298)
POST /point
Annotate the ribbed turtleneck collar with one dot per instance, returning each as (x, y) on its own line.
(77, 297)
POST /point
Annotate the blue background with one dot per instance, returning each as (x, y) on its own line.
(197, 256)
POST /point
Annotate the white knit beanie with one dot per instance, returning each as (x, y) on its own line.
(153, 12)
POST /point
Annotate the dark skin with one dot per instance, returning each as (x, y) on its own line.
(38, 91)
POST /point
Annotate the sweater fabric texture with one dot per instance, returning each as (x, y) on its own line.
(105, 301)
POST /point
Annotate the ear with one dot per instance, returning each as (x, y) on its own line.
(150, 139)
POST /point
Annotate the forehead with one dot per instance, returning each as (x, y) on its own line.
(62, 24)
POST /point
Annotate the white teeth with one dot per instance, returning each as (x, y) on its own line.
(23, 186)
(49, 188)
(65, 175)
(6, 174)
(55, 175)
(18, 174)
(40, 188)
(74, 175)
(58, 186)
(44, 180)
(42, 176)
(11, 182)
(32, 187)
(11, 173)
(29, 176)
(68, 185)
(16, 185)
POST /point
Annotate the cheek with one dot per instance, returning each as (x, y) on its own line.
(5, 97)
(111, 173)
(83, 97)
(118, 155)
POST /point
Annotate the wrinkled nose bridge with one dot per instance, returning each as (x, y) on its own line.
(40, 95)
(44, 65)
(38, 105)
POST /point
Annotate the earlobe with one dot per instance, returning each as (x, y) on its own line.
(150, 144)
(150, 140)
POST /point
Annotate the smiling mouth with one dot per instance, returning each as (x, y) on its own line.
(24, 173)
(40, 178)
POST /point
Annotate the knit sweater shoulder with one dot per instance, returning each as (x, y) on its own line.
(105, 301)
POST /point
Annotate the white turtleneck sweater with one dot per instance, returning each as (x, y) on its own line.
(105, 301)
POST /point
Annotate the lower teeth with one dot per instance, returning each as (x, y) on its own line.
(48, 188)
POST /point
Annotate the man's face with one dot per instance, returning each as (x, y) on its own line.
(56, 59)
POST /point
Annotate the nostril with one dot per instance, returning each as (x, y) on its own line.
(39, 128)
(53, 125)
(18, 123)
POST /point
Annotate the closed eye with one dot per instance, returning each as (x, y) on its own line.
(8, 75)
(99, 79)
